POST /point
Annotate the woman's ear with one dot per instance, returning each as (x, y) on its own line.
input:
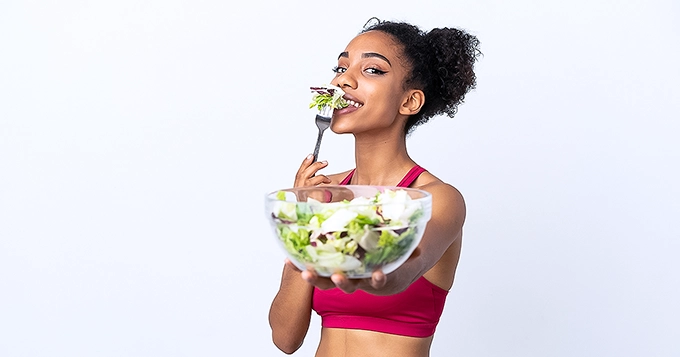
(412, 103)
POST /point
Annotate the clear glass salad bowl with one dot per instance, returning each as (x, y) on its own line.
(350, 229)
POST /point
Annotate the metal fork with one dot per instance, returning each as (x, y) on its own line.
(323, 121)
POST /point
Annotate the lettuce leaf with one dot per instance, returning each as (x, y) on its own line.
(328, 96)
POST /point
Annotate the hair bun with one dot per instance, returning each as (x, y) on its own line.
(453, 54)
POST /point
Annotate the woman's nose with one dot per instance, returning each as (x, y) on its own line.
(345, 80)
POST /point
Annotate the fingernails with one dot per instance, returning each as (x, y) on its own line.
(310, 156)
(324, 162)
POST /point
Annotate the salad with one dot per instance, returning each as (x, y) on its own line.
(328, 95)
(356, 236)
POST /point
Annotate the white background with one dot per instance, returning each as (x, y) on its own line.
(137, 139)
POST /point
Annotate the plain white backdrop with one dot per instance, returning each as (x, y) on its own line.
(137, 140)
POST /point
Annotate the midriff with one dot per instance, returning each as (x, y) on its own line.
(359, 343)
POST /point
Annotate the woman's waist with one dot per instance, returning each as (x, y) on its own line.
(340, 342)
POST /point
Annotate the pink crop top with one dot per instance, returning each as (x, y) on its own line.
(414, 312)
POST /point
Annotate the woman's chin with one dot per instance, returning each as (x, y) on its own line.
(340, 129)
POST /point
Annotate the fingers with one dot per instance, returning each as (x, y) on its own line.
(312, 278)
(335, 281)
(347, 285)
(376, 282)
(306, 174)
(378, 279)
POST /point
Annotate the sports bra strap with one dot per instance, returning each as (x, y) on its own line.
(347, 178)
(411, 176)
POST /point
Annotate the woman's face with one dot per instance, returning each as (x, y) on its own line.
(372, 75)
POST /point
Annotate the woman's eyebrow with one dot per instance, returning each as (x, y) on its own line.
(367, 55)
(373, 54)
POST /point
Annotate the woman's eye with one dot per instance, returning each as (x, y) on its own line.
(338, 69)
(374, 71)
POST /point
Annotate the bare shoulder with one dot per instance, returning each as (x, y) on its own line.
(446, 199)
(435, 186)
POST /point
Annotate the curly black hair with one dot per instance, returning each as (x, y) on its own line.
(441, 64)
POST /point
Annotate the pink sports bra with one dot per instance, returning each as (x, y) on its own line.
(414, 312)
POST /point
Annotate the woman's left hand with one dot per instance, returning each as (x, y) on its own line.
(338, 280)
(377, 284)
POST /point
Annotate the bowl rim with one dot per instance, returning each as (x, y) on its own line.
(271, 195)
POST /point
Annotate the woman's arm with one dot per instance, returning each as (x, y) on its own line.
(291, 310)
(443, 229)
(445, 226)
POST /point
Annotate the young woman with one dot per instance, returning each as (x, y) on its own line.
(396, 77)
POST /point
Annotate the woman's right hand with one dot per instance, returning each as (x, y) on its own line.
(306, 174)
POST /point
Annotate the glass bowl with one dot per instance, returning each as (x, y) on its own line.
(350, 229)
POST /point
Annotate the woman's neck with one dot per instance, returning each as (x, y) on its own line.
(380, 161)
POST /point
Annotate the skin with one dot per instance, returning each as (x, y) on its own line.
(370, 72)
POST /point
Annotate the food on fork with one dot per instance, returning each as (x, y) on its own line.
(328, 95)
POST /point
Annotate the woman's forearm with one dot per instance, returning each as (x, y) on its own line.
(290, 312)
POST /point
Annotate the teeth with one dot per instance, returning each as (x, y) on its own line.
(351, 102)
